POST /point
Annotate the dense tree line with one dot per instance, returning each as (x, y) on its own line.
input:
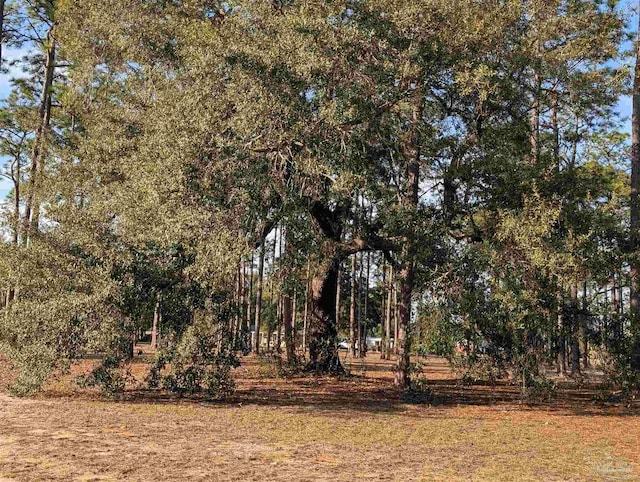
(450, 176)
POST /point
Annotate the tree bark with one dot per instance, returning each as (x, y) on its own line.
(338, 297)
(154, 328)
(365, 315)
(323, 333)
(352, 307)
(2, 2)
(561, 360)
(383, 310)
(583, 327)
(305, 320)
(288, 316)
(635, 212)
(258, 314)
(32, 206)
(407, 271)
(390, 311)
(575, 330)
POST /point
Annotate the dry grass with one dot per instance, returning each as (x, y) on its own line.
(316, 429)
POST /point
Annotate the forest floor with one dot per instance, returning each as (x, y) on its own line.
(317, 429)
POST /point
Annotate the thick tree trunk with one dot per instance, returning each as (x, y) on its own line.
(323, 333)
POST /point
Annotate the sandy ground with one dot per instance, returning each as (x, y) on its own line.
(317, 429)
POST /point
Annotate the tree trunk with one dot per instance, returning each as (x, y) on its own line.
(407, 272)
(289, 326)
(323, 333)
(338, 296)
(561, 353)
(635, 213)
(396, 325)
(16, 201)
(2, 2)
(360, 351)
(258, 315)
(352, 308)
(305, 320)
(154, 328)
(288, 317)
(32, 205)
(390, 311)
(583, 327)
(365, 315)
(246, 336)
(383, 310)
(272, 293)
(280, 296)
(575, 330)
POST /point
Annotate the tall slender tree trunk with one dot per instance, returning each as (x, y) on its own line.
(389, 314)
(16, 201)
(271, 288)
(289, 316)
(2, 36)
(338, 296)
(407, 272)
(396, 316)
(583, 327)
(575, 330)
(615, 311)
(384, 334)
(360, 351)
(305, 320)
(242, 321)
(156, 319)
(15, 175)
(32, 205)
(246, 339)
(258, 314)
(561, 360)
(352, 307)
(280, 294)
(635, 212)
(365, 314)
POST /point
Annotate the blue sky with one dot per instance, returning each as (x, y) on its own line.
(624, 106)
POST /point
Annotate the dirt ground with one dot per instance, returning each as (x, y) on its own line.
(317, 429)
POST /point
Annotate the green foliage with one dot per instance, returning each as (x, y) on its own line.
(183, 131)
